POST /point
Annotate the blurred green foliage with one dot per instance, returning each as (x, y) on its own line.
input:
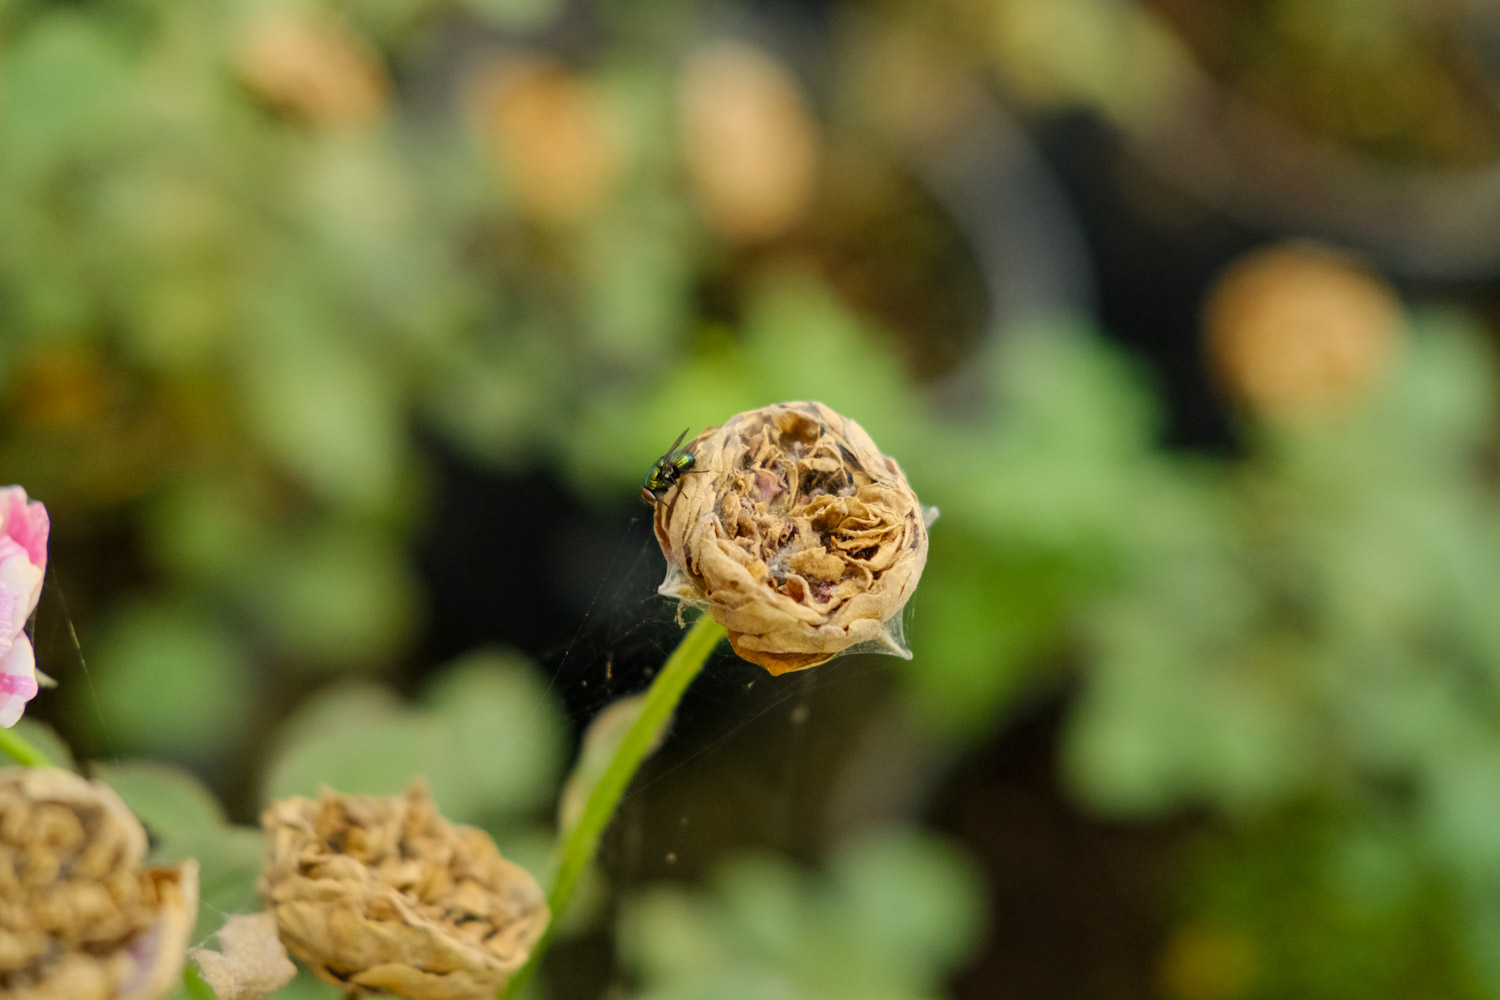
(239, 282)
(891, 918)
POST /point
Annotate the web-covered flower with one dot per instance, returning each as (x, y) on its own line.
(80, 918)
(801, 537)
(23, 563)
(384, 896)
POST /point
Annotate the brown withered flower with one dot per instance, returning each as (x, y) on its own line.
(1300, 330)
(801, 537)
(750, 142)
(384, 896)
(549, 134)
(315, 69)
(80, 917)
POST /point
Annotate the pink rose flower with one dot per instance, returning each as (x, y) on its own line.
(23, 563)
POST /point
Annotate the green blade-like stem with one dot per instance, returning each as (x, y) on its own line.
(19, 749)
(578, 851)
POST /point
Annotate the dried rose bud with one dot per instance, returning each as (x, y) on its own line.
(80, 918)
(549, 134)
(801, 538)
(384, 895)
(314, 68)
(1300, 330)
(750, 142)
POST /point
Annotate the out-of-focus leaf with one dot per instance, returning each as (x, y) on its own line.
(308, 987)
(169, 800)
(65, 91)
(207, 531)
(1462, 809)
(671, 934)
(503, 737)
(515, 14)
(337, 597)
(361, 757)
(894, 915)
(489, 744)
(172, 681)
(769, 907)
(229, 863)
(322, 406)
(911, 902)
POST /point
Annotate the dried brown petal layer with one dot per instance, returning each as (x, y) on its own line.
(384, 895)
(800, 536)
(252, 963)
(80, 918)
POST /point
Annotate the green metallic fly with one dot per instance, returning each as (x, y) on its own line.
(664, 474)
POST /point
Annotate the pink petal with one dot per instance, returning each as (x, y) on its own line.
(20, 589)
(26, 522)
(17, 681)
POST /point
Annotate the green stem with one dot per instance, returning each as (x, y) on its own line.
(685, 663)
(20, 750)
(194, 984)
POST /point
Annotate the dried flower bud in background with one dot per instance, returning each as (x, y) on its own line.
(750, 142)
(313, 68)
(80, 918)
(23, 563)
(384, 895)
(1300, 329)
(547, 131)
(799, 535)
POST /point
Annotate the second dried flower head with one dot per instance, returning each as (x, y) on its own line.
(801, 537)
(384, 896)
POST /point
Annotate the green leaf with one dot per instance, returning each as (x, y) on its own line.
(503, 737)
(171, 681)
(358, 756)
(912, 901)
(229, 864)
(337, 597)
(515, 15)
(171, 802)
(669, 934)
(65, 91)
(320, 404)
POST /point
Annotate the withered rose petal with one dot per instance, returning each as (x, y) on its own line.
(384, 895)
(80, 917)
(799, 535)
(252, 963)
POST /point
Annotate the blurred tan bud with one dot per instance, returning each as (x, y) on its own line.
(313, 68)
(384, 895)
(1300, 329)
(80, 918)
(549, 135)
(750, 142)
(799, 535)
(1207, 961)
